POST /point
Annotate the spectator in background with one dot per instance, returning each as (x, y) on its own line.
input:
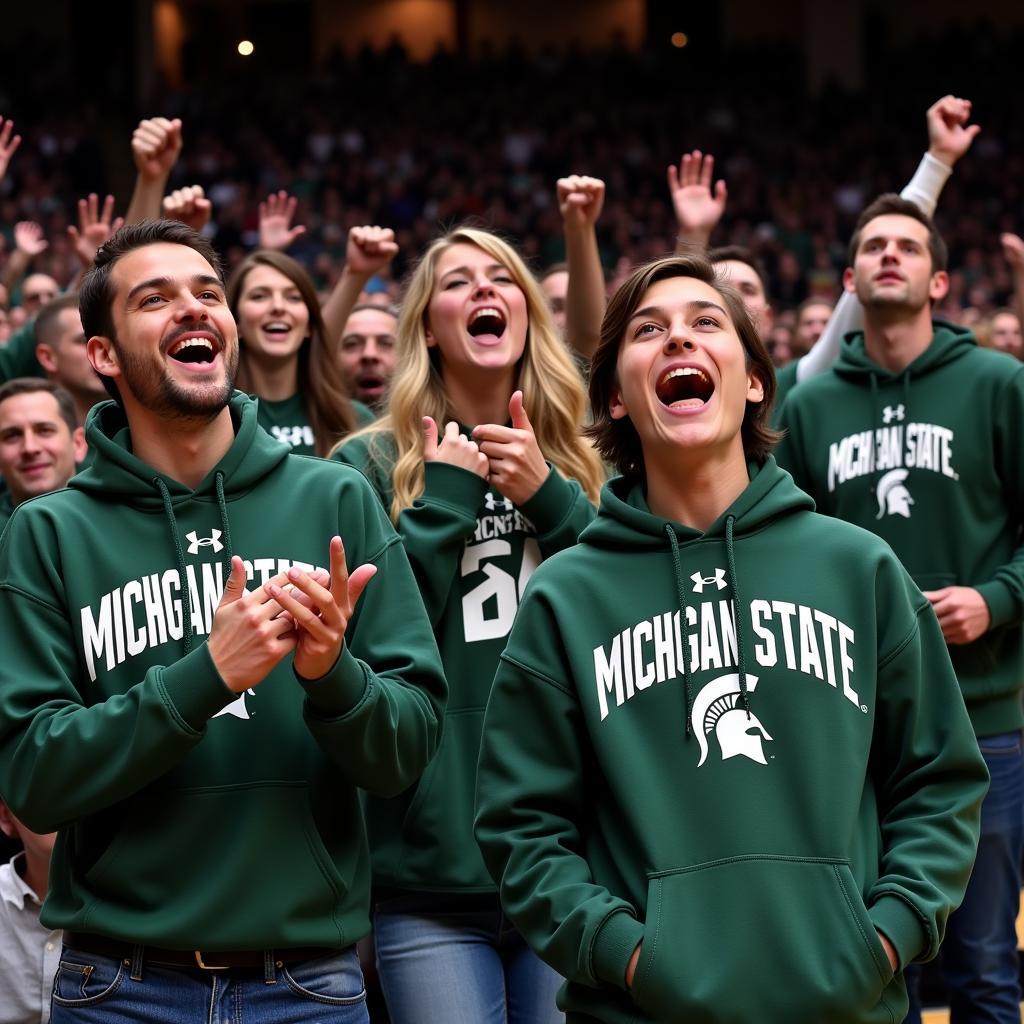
(1002, 331)
(29, 951)
(60, 349)
(40, 440)
(554, 283)
(812, 317)
(367, 352)
(36, 291)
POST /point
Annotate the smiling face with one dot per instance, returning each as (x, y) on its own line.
(892, 267)
(38, 450)
(273, 319)
(175, 349)
(477, 316)
(683, 378)
(367, 353)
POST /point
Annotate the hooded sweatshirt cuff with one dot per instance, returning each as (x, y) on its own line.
(195, 689)
(614, 943)
(454, 486)
(551, 504)
(901, 925)
(1001, 605)
(335, 694)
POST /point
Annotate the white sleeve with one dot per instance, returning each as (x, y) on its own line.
(924, 189)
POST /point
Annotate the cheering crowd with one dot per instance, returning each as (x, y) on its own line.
(331, 605)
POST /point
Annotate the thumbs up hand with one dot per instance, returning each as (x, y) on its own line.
(517, 466)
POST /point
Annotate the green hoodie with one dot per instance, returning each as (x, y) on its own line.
(288, 420)
(753, 815)
(472, 551)
(191, 817)
(929, 459)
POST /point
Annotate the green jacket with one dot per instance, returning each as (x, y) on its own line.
(472, 552)
(929, 459)
(190, 817)
(751, 813)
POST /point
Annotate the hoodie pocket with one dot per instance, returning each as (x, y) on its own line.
(216, 865)
(438, 848)
(773, 938)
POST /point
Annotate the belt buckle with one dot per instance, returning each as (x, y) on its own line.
(198, 953)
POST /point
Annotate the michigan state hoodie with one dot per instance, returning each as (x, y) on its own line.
(745, 748)
(472, 551)
(930, 460)
(190, 816)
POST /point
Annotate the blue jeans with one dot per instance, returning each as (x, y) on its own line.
(979, 953)
(91, 989)
(460, 966)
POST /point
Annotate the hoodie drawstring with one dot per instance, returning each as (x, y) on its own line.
(172, 522)
(683, 625)
(684, 628)
(738, 609)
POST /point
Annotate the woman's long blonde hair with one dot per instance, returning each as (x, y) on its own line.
(553, 392)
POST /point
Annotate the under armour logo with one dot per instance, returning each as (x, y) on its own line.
(700, 582)
(893, 412)
(493, 503)
(195, 542)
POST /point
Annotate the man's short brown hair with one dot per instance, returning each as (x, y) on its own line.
(890, 203)
(617, 440)
(31, 385)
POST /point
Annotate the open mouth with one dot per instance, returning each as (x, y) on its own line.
(684, 387)
(487, 324)
(370, 383)
(277, 329)
(193, 350)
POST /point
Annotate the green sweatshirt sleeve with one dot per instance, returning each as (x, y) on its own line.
(789, 451)
(18, 356)
(929, 774)
(532, 798)
(1004, 593)
(61, 760)
(382, 725)
(559, 511)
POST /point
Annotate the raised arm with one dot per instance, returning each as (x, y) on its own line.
(949, 138)
(1013, 250)
(29, 242)
(276, 214)
(580, 200)
(95, 226)
(190, 206)
(156, 146)
(368, 251)
(698, 207)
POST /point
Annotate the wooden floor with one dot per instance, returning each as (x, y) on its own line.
(942, 1016)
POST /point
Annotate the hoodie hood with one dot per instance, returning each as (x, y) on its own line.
(949, 343)
(624, 520)
(117, 474)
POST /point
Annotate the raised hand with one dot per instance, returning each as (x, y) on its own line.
(698, 208)
(517, 467)
(949, 134)
(454, 449)
(156, 146)
(322, 617)
(190, 206)
(1013, 251)
(369, 250)
(276, 215)
(8, 144)
(94, 227)
(29, 238)
(250, 633)
(580, 200)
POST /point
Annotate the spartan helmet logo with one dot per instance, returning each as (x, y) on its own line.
(237, 708)
(717, 710)
(893, 497)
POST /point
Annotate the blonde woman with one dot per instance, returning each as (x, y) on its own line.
(482, 467)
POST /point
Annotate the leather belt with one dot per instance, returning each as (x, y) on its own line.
(197, 959)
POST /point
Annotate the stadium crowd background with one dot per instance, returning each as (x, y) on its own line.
(378, 138)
